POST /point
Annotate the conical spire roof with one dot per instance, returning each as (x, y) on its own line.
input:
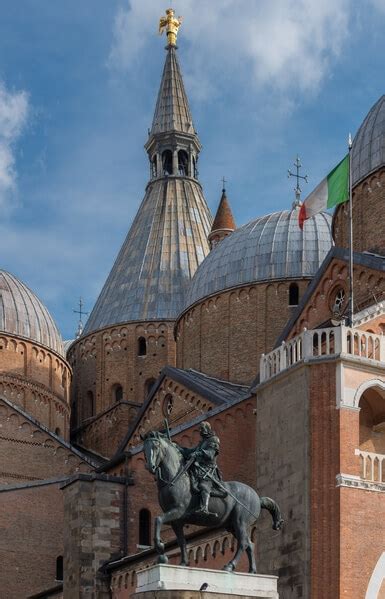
(172, 111)
(224, 217)
(168, 238)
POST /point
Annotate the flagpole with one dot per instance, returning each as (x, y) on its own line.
(351, 291)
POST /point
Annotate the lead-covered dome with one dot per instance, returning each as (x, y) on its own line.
(24, 315)
(368, 151)
(268, 248)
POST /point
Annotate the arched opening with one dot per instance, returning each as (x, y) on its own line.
(148, 385)
(182, 163)
(154, 167)
(59, 568)
(90, 405)
(167, 162)
(168, 405)
(117, 392)
(142, 346)
(144, 527)
(372, 420)
(58, 431)
(293, 294)
(195, 167)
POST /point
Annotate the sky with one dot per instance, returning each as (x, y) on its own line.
(266, 79)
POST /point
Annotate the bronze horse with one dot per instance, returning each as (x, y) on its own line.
(237, 512)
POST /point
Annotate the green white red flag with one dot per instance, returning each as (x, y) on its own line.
(333, 190)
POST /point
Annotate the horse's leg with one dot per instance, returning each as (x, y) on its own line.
(240, 534)
(251, 556)
(178, 529)
(174, 514)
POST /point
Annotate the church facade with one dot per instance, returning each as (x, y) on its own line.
(198, 321)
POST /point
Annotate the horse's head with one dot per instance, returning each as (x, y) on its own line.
(154, 444)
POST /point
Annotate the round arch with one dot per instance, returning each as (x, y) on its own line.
(376, 579)
(372, 383)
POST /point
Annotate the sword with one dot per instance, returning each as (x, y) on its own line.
(221, 486)
(167, 429)
(187, 465)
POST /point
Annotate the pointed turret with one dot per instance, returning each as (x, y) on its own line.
(169, 236)
(224, 222)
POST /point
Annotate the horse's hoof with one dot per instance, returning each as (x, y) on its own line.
(162, 559)
(229, 567)
(253, 571)
(185, 564)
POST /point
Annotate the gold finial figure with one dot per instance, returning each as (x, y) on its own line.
(171, 24)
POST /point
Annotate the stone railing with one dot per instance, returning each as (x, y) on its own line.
(318, 343)
(372, 466)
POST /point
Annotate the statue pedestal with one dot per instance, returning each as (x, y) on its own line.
(177, 582)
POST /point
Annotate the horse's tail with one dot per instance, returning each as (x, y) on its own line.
(272, 507)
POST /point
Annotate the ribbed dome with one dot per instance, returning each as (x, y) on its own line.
(269, 247)
(23, 314)
(368, 151)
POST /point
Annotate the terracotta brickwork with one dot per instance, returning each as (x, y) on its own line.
(106, 360)
(368, 228)
(368, 284)
(31, 524)
(225, 335)
(37, 379)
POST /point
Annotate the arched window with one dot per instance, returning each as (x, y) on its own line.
(195, 167)
(59, 568)
(182, 163)
(372, 420)
(58, 431)
(144, 527)
(167, 162)
(142, 346)
(117, 392)
(90, 405)
(293, 294)
(148, 385)
(168, 405)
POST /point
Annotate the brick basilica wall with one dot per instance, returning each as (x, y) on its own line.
(36, 379)
(225, 334)
(368, 221)
(109, 358)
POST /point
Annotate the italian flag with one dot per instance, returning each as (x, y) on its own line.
(333, 190)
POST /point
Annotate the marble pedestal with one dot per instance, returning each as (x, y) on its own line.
(176, 582)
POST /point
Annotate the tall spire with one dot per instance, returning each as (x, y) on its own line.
(224, 222)
(168, 238)
(172, 112)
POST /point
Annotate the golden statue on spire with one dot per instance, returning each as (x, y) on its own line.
(171, 24)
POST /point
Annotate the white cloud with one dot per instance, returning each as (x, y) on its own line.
(276, 44)
(13, 117)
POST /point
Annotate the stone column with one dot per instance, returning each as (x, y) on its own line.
(93, 512)
(175, 162)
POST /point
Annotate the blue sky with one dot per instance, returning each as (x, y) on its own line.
(78, 82)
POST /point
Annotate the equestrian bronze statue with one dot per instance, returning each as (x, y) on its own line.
(191, 491)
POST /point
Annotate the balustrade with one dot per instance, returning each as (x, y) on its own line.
(372, 466)
(317, 343)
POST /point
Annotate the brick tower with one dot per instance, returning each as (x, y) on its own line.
(129, 335)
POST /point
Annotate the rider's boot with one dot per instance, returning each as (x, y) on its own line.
(204, 507)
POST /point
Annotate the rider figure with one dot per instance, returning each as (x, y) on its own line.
(204, 466)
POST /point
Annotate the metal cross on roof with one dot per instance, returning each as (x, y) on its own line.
(81, 314)
(297, 188)
(224, 184)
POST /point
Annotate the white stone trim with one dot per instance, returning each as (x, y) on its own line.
(376, 579)
(364, 386)
(356, 482)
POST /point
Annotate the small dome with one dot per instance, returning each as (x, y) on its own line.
(23, 314)
(267, 248)
(368, 151)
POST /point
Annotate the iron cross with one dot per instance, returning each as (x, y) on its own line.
(297, 188)
(224, 184)
(81, 313)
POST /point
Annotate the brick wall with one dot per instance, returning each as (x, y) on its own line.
(31, 527)
(368, 228)
(225, 335)
(108, 358)
(36, 379)
(283, 473)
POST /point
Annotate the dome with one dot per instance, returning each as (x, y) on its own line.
(368, 151)
(267, 248)
(23, 314)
